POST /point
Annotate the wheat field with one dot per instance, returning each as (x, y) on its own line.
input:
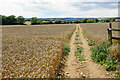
(33, 51)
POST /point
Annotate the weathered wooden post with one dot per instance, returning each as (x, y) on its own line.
(110, 34)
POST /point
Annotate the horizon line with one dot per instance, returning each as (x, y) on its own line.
(75, 17)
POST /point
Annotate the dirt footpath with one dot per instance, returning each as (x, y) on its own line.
(83, 69)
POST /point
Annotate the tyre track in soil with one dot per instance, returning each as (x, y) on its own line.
(83, 69)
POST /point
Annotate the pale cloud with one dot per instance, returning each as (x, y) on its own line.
(58, 8)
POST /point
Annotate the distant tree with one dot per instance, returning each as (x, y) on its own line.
(91, 21)
(84, 20)
(71, 22)
(50, 22)
(67, 22)
(20, 20)
(57, 22)
(0, 19)
(107, 20)
(40, 21)
(11, 19)
(110, 19)
(96, 20)
(64, 22)
(77, 21)
(34, 20)
(113, 19)
(87, 21)
(3, 20)
(102, 21)
(8, 20)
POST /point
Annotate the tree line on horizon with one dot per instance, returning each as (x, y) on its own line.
(13, 20)
(35, 20)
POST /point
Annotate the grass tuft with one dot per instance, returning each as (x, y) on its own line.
(79, 54)
(77, 32)
(82, 58)
(77, 35)
(91, 42)
(78, 43)
(66, 49)
(76, 39)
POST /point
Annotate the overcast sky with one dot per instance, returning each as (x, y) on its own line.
(59, 8)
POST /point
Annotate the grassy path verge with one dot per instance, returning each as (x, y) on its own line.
(83, 67)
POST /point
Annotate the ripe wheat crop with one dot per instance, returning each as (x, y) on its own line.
(33, 51)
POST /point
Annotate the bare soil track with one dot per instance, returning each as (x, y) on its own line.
(83, 69)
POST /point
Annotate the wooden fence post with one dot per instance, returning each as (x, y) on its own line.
(110, 34)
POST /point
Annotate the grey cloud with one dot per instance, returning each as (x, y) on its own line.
(108, 5)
